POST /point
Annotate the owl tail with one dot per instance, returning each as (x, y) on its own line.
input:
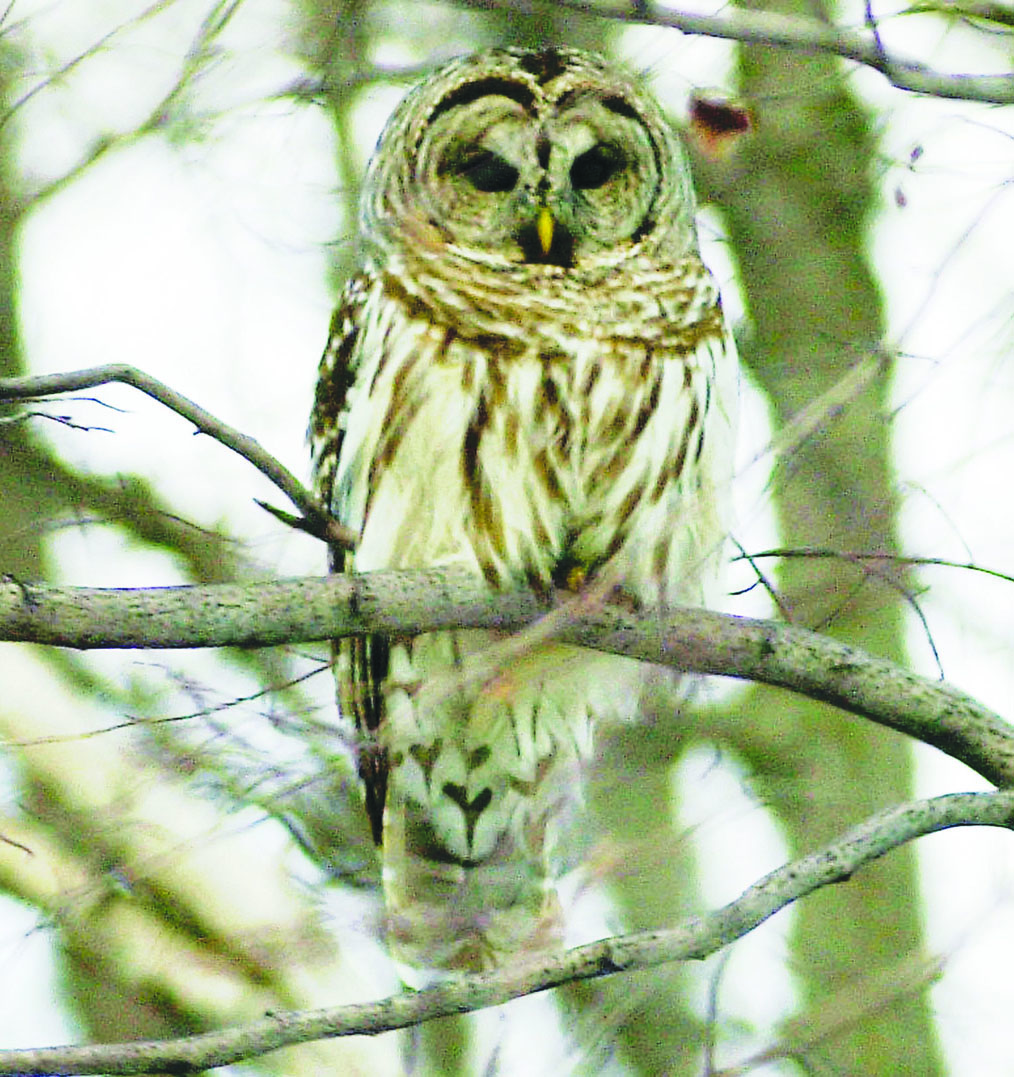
(468, 918)
(446, 912)
(483, 790)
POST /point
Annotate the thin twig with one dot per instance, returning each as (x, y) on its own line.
(869, 571)
(871, 555)
(132, 722)
(768, 586)
(199, 55)
(847, 1007)
(68, 66)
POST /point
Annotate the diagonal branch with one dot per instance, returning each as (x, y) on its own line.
(801, 34)
(315, 519)
(277, 612)
(693, 940)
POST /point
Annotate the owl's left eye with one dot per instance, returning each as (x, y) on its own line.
(595, 167)
(488, 172)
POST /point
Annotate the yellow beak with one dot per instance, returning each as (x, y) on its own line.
(544, 227)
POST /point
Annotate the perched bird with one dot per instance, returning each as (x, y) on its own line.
(530, 379)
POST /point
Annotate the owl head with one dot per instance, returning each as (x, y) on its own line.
(549, 158)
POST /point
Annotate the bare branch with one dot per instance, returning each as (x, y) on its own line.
(316, 519)
(92, 50)
(694, 939)
(858, 557)
(803, 35)
(198, 57)
(276, 612)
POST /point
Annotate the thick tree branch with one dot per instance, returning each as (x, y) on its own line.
(694, 939)
(317, 608)
(804, 35)
(316, 520)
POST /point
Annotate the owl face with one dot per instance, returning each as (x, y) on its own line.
(541, 158)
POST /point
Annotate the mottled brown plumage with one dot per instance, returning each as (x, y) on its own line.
(531, 379)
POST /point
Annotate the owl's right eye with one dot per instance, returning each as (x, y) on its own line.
(595, 168)
(488, 172)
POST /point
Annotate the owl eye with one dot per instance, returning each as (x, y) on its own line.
(488, 172)
(594, 168)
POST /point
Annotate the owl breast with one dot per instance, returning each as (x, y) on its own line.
(525, 461)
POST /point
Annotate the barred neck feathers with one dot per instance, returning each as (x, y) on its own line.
(669, 305)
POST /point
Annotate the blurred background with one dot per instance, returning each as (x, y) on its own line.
(184, 840)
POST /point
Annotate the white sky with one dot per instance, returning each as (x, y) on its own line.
(205, 264)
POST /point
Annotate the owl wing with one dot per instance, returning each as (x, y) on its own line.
(362, 661)
(335, 377)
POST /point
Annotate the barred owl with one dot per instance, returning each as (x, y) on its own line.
(531, 380)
